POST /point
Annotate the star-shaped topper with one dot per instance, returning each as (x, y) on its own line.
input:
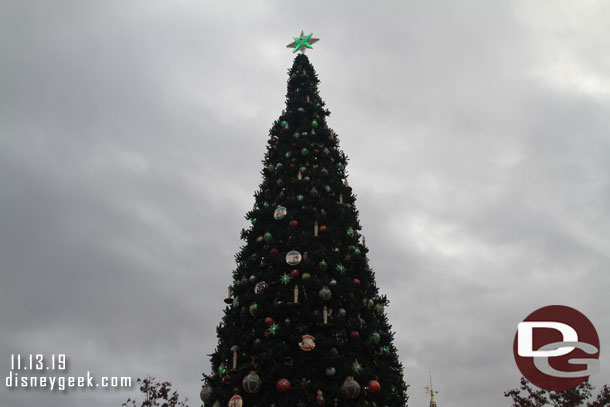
(302, 42)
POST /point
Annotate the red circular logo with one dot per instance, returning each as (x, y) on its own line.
(556, 348)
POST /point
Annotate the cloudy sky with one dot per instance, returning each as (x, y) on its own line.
(131, 140)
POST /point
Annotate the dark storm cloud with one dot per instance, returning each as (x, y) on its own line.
(131, 136)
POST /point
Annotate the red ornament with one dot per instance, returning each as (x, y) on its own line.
(294, 273)
(268, 320)
(293, 223)
(274, 250)
(374, 386)
(283, 385)
(356, 282)
(323, 228)
(355, 334)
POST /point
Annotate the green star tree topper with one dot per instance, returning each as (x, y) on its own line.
(305, 324)
(302, 42)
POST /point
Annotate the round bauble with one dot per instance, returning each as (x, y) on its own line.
(354, 334)
(379, 308)
(260, 287)
(236, 401)
(294, 273)
(350, 389)
(293, 223)
(330, 371)
(206, 393)
(269, 321)
(374, 337)
(267, 236)
(322, 228)
(356, 282)
(332, 282)
(306, 276)
(252, 382)
(283, 385)
(325, 293)
(374, 386)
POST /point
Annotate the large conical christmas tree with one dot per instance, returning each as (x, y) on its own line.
(305, 323)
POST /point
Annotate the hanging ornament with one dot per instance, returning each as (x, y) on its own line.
(325, 316)
(314, 124)
(267, 236)
(374, 337)
(324, 171)
(268, 320)
(313, 192)
(296, 294)
(293, 223)
(379, 308)
(315, 228)
(293, 258)
(229, 300)
(206, 393)
(307, 343)
(280, 212)
(374, 386)
(300, 197)
(304, 151)
(319, 398)
(356, 366)
(260, 287)
(284, 124)
(357, 251)
(236, 401)
(350, 232)
(299, 175)
(325, 293)
(283, 385)
(253, 309)
(306, 276)
(327, 188)
(287, 154)
(234, 360)
(252, 278)
(356, 282)
(323, 265)
(350, 389)
(270, 167)
(294, 273)
(330, 371)
(265, 204)
(222, 369)
(355, 334)
(285, 278)
(332, 282)
(340, 268)
(340, 199)
(272, 330)
(252, 382)
(216, 404)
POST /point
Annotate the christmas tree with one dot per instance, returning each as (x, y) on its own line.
(305, 323)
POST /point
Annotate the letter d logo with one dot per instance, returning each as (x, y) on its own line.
(526, 338)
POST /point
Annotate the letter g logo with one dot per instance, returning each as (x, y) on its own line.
(556, 348)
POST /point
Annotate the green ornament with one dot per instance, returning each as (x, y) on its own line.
(222, 369)
(296, 134)
(327, 188)
(236, 302)
(252, 382)
(302, 169)
(253, 220)
(379, 308)
(374, 337)
(285, 278)
(350, 232)
(323, 264)
(268, 236)
(287, 155)
(339, 165)
(340, 268)
(254, 309)
(326, 151)
(284, 124)
(304, 151)
(314, 123)
(298, 90)
(302, 42)
(271, 167)
(356, 251)
(265, 204)
(317, 105)
(300, 197)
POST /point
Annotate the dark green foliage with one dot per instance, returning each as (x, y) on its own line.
(319, 194)
(156, 394)
(525, 396)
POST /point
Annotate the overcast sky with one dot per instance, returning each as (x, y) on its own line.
(131, 140)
